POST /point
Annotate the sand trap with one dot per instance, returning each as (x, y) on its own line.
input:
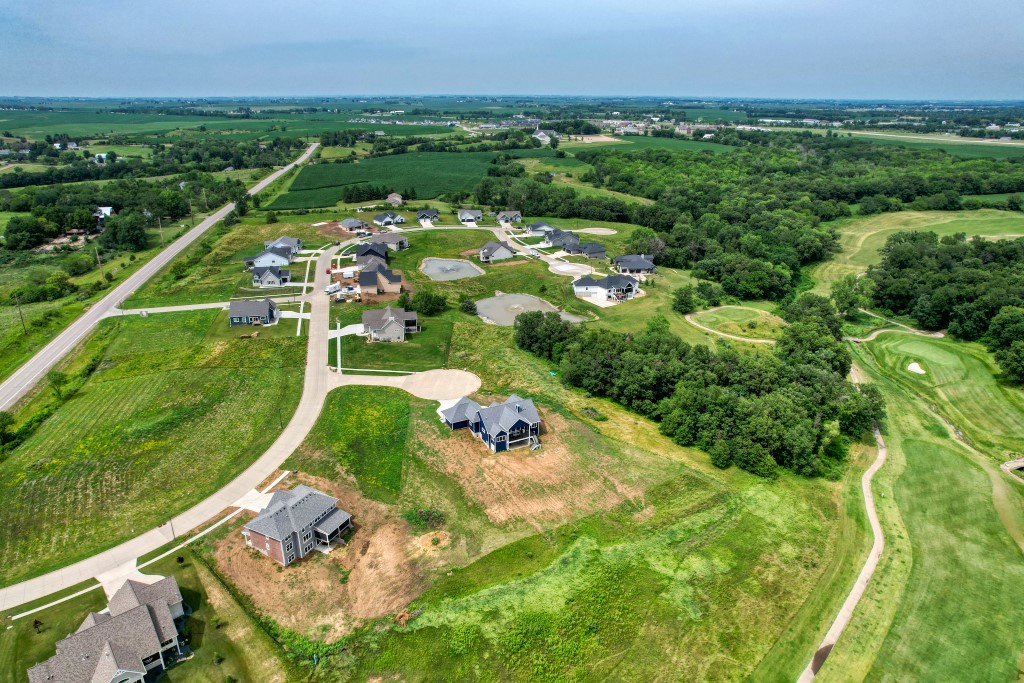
(916, 368)
(445, 269)
(503, 309)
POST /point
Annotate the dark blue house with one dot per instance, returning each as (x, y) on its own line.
(501, 426)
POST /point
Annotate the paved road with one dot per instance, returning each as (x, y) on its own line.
(857, 592)
(29, 374)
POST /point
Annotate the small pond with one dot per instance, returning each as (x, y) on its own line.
(503, 309)
(449, 269)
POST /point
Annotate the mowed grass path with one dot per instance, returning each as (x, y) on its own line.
(861, 238)
(742, 322)
(940, 605)
(165, 420)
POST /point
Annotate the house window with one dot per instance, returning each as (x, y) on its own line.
(308, 535)
(307, 548)
(291, 558)
(288, 545)
(500, 438)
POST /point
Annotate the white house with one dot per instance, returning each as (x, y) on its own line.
(544, 136)
(496, 251)
(275, 256)
(388, 218)
(610, 288)
(270, 276)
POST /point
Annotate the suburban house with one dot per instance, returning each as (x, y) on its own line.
(134, 639)
(100, 158)
(539, 228)
(509, 217)
(251, 312)
(391, 240)
(470, 215)
(379, 280)
(560, 238)
(544, 136)
(388, 218)
(274, 256)
(427, 215)
(295, 523)
(609, 288)
(270, 276)
(292, 244)
(501, 426)
(587, 249)
(633, 264)
(354, 224)
(370, 261)
(374, 248)
(389, 324)
(496, 251)
(395, 199)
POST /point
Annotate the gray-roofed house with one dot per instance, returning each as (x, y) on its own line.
(539, 228)
(395, 199)
(374, 248)
(391, 240)
(587, 249)
(633, 263)
(609, 288)
(470, 215)
(136, 638)
(252, 312)
(270, 276)
(427, 215)
(370, 261)
(388, 218)
(509, 216)
(560, 238)
(274, 256)
(354, 224)
(389, 324)
(501, 426)
(379, 280)
(292, 244)
(295, 523)
(544, 136)
(496, 251)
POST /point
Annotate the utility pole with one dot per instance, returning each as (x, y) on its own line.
(160, 223)
(99, 262)
(17, 300)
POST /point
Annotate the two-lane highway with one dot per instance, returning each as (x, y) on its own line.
(26, 377)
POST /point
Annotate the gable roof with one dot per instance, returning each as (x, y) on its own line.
(388, 238)
(633, 262)
(353, 223)
(372, 248)
(556, 236)
(463, 409)
(491, 248)
(475, 214)
(426, 214)
(368, 276)
(290, 242)
(283, 252)
(290, 512)
(156, 596)
(500, 417)
(609, 282)
(592, 248)
(540, 225)
(371, 261)
(251, 308)
(387, 215)
(259, 271)
(510, 213)
(378, 318)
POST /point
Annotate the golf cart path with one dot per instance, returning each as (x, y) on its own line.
(866, 572)
(319, 380)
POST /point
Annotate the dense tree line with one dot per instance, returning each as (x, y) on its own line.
(791, 409)
(974, 288)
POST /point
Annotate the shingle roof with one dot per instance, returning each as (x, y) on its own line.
(290, 242)
(291, 511)
(562, 237)
(372, 248)
(251, 307)
(426, 215)
(385, 216)
(388, 238)
(633, 262)
(490, 248)
(283, 252)
(463, 409)
(503, 416)
(353, 223)
(474, 214)
(540, 225)
(609, 282)
(379, 317)
(260, 271)
(369, 262)
(510, 213)
(157, 596)
(592, 248)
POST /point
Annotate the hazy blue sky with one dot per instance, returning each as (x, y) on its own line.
(896, 49)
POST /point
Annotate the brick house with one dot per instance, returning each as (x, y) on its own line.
(295, 523)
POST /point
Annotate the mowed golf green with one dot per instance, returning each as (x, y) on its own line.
(169, 416)
(861, 238)
(428, 173)
(940, 605)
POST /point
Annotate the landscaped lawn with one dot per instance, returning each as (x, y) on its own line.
(424, 350)
(166, 419)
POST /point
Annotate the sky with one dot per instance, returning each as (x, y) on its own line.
(846, 49)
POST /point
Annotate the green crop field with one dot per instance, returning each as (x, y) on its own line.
(165, 420)
(742, 322)
(633, 143)
(967, 148)
(861, 238)
(428, 173)
(950, 522)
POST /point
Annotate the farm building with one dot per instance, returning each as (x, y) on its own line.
(496, 251)
(379, 280)
(252, 312)
(470, 215)
(427, 215)
(295, 523)
(270, 276)
(587, 249)
(389, 324)
(391, 240)
(633, 264)
(134, 639)
(501, 426)
(388, 218)
(610, 288)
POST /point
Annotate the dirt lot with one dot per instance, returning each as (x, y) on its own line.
(388, 567)
(541, 488)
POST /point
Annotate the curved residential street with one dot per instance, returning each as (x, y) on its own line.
(28, 375)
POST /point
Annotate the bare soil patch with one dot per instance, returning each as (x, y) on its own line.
(334, 229)
(542, 488)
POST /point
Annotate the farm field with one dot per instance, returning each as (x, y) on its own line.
(742, 322)
(428, 173)
(861, 238)
(950, 522)
(633, 143)
(968, 148)
(164, 419)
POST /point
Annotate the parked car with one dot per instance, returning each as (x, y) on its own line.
(535, 253)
